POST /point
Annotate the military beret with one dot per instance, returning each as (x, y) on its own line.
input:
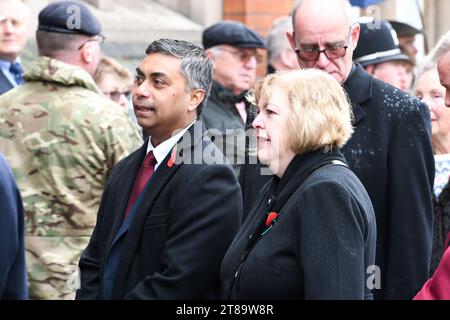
(404, 29)
(69, 17)
(232, 33)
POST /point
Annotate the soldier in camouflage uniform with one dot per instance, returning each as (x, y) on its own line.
(62, 137)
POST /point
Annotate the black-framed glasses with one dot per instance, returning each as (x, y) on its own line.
(332, 52)
(100, 38)
(312, 54)
(243, 54)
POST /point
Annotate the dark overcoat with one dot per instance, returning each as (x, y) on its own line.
(322, 245)
(178, 236)
(391, 153)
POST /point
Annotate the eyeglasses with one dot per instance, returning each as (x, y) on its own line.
(115, 95)
(243, 54)
(333, 52)
(100, 38)
(312, 54)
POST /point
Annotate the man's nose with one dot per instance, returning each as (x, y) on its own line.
(322, 60)
(251, 62)
(141, 90)
(447, 98)
(7, 26)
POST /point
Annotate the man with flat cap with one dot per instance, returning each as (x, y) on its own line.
(232, 47)
(406, 34)
(379, 53)
(62, 137)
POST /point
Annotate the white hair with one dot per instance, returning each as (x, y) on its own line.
(276, 39)
(441, 48)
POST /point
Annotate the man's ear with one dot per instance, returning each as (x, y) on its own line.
(370, 69)
(87, 52)
(291, 39)
(356, 30)
(197, 96)
(209, 54)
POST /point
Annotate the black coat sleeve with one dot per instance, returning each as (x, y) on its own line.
(335, 233)
(411, 165)
(13, 278)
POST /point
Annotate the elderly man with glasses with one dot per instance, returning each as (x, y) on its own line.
(62, 137)
(233, 48)
(390, 150)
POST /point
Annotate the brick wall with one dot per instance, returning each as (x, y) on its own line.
(258, 15)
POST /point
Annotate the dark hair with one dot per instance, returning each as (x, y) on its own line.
(51, 43)
(196, 67)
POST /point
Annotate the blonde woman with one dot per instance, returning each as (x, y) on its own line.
(114, 80)
(311, 234)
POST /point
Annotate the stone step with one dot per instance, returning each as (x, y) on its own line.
(130, 25)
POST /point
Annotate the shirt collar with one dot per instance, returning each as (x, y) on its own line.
(162, 150)
(5, 65)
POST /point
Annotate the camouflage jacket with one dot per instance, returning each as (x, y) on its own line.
(62, 137)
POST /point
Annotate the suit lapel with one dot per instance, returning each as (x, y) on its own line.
(5, 85)
(159, 180)
(125, 184)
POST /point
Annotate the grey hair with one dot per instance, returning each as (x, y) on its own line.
(276, 39)
(196, 67)
(348, 11)
(425, 65)
(441, 48)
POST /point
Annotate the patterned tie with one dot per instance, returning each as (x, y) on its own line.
(144, 174)
(17, 72)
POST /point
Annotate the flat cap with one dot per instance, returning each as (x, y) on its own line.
(232, 33)
(404, 29)
(69, 17)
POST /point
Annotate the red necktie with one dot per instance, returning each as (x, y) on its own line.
(144, 174)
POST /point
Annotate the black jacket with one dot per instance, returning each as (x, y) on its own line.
(441, 226)
(225, 127)
(321, 245)
(177, 239)
(391, 153)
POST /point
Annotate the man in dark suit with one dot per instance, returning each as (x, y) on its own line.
(14, 18)
(13, 274)
(168, 240)
(390, 150)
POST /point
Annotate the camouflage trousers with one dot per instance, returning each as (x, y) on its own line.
(52, 265)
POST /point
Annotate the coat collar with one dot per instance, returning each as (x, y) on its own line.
(359, 89)
(221, 93)
(298, 170)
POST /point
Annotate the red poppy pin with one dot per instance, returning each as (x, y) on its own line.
(173, 157)
(271, 218)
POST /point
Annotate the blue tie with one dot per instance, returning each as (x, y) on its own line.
(16, 71)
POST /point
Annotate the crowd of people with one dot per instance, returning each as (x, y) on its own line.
(194, 179)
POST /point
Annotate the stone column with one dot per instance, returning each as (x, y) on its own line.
(436, 20)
